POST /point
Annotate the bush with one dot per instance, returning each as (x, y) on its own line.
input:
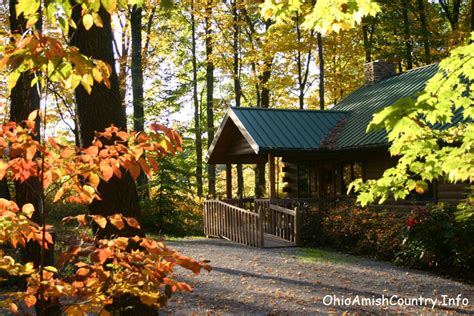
(434, 239)
(361, 231)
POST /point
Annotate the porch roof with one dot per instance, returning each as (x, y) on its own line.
(246, 134)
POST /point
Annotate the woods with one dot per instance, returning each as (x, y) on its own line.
(113, 105)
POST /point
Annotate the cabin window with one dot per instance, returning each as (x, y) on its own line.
(307, 181)
(349, 172)
(302, 181)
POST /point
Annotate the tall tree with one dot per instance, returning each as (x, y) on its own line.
(237, 87)
(137, 85)
(211, 169)
(25, 99)
(197, 115)
(424, 30)
(98, 110)
(302, 64)
(406, 33)
(321, 71)
(368, 30)
(451, 9)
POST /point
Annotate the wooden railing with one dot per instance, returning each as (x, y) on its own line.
(279, 221)
(247, 203)
(231, 222)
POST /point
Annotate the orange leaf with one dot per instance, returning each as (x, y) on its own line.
(144, 167)
(68, 152)
(81, 219)
(30, 300)
(99, 220)
(92, 151)
(134, 170)
(82, 272)
(153, 162)
(100, 255)
(117, 221)
(107, 172)
(30, 152)
(13, 308)
(132, 222)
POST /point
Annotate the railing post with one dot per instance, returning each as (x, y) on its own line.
(298, 226)
(204, 215)
(261, 243)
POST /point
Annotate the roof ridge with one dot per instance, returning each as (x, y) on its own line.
(417, 68)
(289, 110)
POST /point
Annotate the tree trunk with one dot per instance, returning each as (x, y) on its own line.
(367, 42)
(97, 111)
(237, 88)
(472, 16)
(211, 169)
(197, 126)
(137, 88)
(123, 62)
(424, 31)
(406, 32)
(299, 63)
(25, 99)
(321, 71)
(451, 12)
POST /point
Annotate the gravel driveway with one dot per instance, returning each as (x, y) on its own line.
(281, 281)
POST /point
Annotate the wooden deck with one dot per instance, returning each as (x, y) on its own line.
(272, 241)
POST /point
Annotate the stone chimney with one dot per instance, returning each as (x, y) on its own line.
(378, 70)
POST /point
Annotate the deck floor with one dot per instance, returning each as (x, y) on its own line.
(272, 241)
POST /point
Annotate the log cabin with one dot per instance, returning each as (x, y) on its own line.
(322, 151)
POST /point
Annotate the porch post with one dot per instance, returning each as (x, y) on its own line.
(228, 180)
(271, 174)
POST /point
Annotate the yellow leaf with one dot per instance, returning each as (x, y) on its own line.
(28, 209)
(97, 20)
(33, 115)
(51, 269)
(88, 21)
(58, 194)
(97, 75)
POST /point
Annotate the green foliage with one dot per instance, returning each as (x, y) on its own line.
(433, 238)
(173, 209)
(433, 134)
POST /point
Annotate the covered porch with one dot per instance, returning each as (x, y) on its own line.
(259, 137)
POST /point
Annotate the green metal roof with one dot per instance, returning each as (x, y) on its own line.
(342, 127)
(285, 129)
(366, 101)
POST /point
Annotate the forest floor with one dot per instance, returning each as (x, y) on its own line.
(289, 281)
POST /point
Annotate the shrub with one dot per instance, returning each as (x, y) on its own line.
(433, 238)
(361, 231)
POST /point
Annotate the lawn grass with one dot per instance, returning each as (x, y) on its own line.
(315, 255)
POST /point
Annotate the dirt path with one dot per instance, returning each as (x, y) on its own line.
(286, 281)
